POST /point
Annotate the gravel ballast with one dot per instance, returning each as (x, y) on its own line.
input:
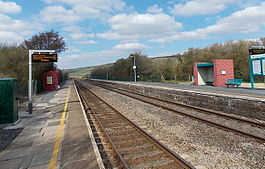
(201, 145)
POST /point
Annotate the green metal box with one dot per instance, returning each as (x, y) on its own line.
(8, 101)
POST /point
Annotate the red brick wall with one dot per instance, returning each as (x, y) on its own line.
(195, 74)
(223, 65)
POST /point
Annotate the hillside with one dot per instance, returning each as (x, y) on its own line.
(83, 71)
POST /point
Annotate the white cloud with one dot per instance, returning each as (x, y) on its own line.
(10, 37)
(201, 7)
(243, 21)
(9, 24)
(58, 14)
(154, 9)
(247, 20)
(9, 7)
(100, 57)
(103, 5)
(73, 28)
(71, 49)
(136, 26)
(87, 12)
(87, 42)
(13, 30)
(92, 58)
(131, 46)
(90, 9)
(81, 36)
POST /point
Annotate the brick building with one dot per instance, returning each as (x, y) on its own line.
(214, 74)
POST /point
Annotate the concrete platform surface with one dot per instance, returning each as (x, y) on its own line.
(78, 150)
(233, 91)
(34, 148)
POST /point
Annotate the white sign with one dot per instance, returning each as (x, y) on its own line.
(256, 67)
(257, 56)
(263, 66)
(223, 72)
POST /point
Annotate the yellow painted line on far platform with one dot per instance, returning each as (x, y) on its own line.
(56, 147)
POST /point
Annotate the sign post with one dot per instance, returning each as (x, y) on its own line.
(256, 63)
(38, 56)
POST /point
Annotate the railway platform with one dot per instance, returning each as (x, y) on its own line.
(231, 91)
(56, 135)
(236, 101)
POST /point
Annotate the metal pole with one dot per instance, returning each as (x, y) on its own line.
(251, 73)
(30, 84)
(107, 73)
(134, 66)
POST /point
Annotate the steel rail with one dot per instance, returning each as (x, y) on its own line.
(184, 164)
(120, 158)
(220, 126)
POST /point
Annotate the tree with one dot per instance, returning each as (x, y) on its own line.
(46, 41)
(13, 63)
(50, 40)
(263, 41)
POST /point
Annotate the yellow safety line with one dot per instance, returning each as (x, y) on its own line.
(56, 147)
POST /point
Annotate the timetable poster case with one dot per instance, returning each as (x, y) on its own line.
(258, 64)
(49, 80)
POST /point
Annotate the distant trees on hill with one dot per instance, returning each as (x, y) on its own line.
(179, 67)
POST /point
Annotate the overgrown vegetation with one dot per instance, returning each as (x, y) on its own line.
(179, 66)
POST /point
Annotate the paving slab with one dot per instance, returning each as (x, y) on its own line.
(11, 164)
(41, 158)
(77, 148)
(33, 147)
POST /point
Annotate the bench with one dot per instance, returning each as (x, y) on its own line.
(236, 82)
(209, 83)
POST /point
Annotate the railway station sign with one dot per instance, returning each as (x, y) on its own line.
(256, 62)
(44, 57)
(41, 56)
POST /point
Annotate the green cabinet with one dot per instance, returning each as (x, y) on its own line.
(8, 101)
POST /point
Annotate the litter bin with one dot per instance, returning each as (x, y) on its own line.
(8, 101)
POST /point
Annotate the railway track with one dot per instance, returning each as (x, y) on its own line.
(133, 147)
(164, 104)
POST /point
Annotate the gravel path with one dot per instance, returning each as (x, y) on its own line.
(200, 144)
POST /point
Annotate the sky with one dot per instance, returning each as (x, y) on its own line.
(101, 31)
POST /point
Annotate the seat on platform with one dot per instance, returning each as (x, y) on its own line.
(233, 82)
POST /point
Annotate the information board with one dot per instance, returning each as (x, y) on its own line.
(256, 62)
(263, 66)
(44, 57)
(256, 65)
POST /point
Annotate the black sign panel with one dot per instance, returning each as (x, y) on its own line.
(44, 57)
(256, 51)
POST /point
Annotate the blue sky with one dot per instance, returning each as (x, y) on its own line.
(102, 31)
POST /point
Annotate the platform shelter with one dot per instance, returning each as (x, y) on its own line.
(215, 73)
(51, 80)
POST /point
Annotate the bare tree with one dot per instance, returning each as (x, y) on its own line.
(46, 41)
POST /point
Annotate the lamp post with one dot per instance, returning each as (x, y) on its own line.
(134, 67)
(107, 73)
